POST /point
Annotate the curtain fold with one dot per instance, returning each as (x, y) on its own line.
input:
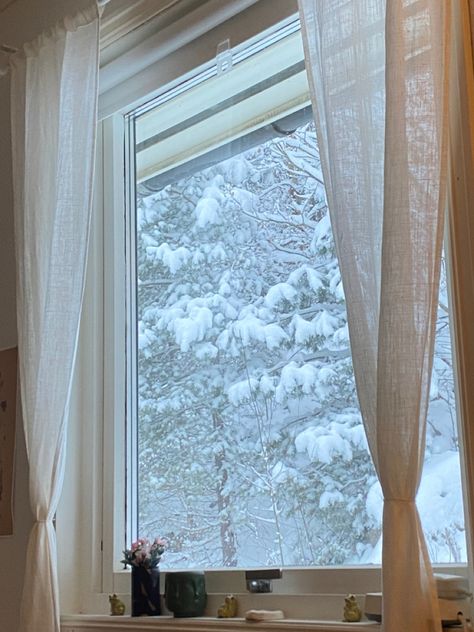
(54, 86)
(377, 78)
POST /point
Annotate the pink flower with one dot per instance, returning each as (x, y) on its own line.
(144, 553)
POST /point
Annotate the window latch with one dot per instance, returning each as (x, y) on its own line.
(260, 581)
(224, 57)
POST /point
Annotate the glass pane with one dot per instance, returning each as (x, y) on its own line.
(251, 447)
(439, 500)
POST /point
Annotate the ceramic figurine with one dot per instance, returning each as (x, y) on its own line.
(117, 607)
(352, 612)
(185, 593)
(228, 608)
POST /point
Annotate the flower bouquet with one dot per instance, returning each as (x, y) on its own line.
(145, 553)
(144, 556)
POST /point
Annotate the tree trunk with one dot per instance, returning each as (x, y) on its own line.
(227, 535)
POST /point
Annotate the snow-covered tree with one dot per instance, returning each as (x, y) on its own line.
(251, 444)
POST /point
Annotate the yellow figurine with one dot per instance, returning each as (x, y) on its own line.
(352, 612)
(117, 607)
(228, 608)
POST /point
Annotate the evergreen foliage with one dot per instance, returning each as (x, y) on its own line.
(251, 444)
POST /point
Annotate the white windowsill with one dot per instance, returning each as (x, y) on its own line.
(318, 612)
(319, 608)
(107, 623)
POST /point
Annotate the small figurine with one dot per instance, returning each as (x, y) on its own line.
(228, 608)
(117, 607)
(352, 612)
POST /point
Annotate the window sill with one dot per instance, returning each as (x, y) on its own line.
(297, 607)
(107, 623)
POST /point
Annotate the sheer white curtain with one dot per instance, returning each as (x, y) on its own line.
(378, 89)
(54, 110)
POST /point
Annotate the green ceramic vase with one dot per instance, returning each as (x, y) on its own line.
(185, 593)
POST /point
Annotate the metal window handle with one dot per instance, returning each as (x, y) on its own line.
(260, 581)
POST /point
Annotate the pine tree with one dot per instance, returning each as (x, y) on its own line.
(251, 444)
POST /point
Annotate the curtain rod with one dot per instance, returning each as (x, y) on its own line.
(7, 50)
(10, 50)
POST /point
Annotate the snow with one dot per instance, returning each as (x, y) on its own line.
(440, 507)
(293, 377)
(217, 253)
(207, 212)
(174, 260)
(328, 499)
(314, 278)
(205, 351)
(323, 447)
(224, 288)
(335, 285)
(192, 328)
(325, 324)
(223, 340)
(237, 170)
(279, 292)
(303, 330)
(441, 419)
(244, 360)
(326, 374)
(148, 240)
(374, 504)
(323, 232)
(267, 385)
(242, 391)
(341, 336)
(357, 437)
(244, 199)
(167, 317)
(251, 329)
(198, 258)
(213, 191)
(274, 335)
(281, 473)
(145, 336)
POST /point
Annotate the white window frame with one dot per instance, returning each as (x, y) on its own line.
(101, 467)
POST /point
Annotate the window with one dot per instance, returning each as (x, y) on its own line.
(250, 449)
(143, 105)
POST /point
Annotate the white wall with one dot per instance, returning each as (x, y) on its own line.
(22, 21)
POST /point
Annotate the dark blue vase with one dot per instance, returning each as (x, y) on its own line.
(145, 591)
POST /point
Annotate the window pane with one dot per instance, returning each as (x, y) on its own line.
(251, 448)
(440, 496)
(439, 500)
